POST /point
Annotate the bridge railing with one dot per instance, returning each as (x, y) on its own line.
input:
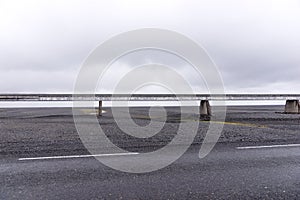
(146, 97)
(292, 100)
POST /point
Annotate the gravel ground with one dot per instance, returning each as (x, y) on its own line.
(40, 131)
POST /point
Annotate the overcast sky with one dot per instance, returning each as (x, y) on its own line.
(254, 43)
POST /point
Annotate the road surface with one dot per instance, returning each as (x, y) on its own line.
(257, 157)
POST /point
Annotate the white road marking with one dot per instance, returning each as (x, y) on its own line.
(80, 156)
(269, 146)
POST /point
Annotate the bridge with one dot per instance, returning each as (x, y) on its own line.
(292, 100)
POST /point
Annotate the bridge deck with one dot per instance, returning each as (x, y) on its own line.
(145, 97)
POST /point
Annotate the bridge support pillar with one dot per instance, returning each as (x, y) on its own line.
(205, 109)
(292, 106)
(100, 108)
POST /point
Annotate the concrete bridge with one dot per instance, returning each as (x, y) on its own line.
(292, 100)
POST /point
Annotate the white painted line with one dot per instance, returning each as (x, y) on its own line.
(80, 156)
(269, 146)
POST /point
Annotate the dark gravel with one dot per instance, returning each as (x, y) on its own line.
(43, 131)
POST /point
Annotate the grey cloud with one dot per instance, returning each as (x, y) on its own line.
(255, 44)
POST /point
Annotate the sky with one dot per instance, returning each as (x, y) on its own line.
(254, 43)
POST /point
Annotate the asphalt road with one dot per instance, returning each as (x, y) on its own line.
(228, 172)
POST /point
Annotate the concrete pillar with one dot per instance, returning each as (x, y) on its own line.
(292, 106)
(100, 108)
(205, 108)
